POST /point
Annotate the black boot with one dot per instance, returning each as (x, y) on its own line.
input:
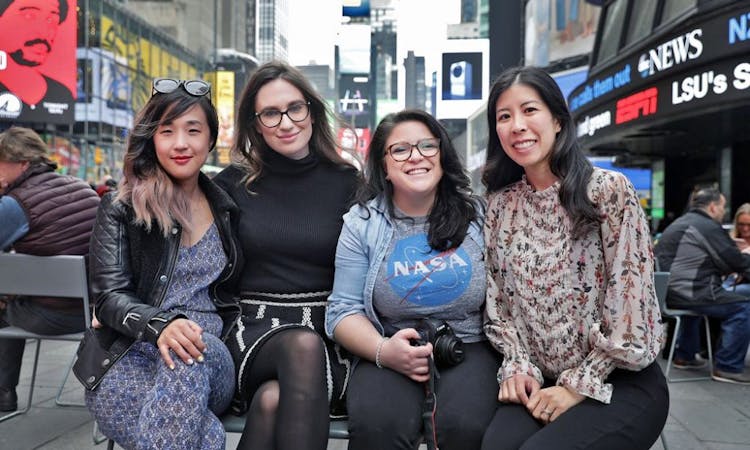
(8, 399)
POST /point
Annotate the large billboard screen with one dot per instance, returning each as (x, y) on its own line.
(463, 78)
(37, 61)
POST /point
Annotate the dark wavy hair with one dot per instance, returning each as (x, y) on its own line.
(567, 161)
(63, 5)
(455, 207)
(248, 140)
(145, 185)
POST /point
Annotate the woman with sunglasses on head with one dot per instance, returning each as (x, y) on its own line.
(292, 188)
(163, 262)
(570, 298)
(409, 267)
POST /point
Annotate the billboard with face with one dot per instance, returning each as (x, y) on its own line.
(37, 61)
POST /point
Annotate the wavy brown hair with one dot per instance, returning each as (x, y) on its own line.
(145, 185)
(248, 140)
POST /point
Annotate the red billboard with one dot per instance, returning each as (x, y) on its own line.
(37, 61)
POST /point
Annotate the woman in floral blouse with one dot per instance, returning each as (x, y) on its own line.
(570, 297)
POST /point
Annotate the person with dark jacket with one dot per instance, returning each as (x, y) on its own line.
(163, 261)
(697, 252)
(41, 213)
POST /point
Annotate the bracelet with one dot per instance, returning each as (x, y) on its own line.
(377, 352)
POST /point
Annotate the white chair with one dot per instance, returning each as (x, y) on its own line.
(46, 276)
(661, 282)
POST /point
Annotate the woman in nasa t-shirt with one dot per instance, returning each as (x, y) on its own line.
(412, 249)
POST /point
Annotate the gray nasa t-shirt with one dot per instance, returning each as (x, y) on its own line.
(414, 281)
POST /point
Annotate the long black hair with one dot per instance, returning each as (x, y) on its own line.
(567, 161)
(454, 208)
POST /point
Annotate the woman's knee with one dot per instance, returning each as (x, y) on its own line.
(304, 348)
(266, 400)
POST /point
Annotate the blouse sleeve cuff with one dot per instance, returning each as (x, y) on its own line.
(510, 368)
(585, 384)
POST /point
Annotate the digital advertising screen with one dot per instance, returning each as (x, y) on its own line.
(38, 61)
(463, 78)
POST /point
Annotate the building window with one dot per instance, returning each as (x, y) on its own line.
(609, 42)
(641, 20)
(673, 8)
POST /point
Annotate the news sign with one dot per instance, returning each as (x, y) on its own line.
(702, 68)
(38, 62)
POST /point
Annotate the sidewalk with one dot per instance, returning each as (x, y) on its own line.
(703, 414)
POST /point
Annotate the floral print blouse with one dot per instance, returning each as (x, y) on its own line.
(571, 310)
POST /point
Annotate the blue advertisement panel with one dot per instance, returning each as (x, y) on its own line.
(356, 8)
(37, 61)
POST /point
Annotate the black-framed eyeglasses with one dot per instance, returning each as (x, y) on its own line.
(401, 151)
(297, 112)
(196, 88)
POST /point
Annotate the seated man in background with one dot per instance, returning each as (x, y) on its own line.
(698, 253)
(41, 213)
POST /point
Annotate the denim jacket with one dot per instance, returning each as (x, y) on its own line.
(365, 237)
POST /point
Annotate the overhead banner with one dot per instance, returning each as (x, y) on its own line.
(37, 61)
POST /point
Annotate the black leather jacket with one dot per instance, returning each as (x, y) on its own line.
(130, 270)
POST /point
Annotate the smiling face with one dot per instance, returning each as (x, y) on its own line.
(525, 127)
(28, 29)
(182, 145)
(289, 138)
(416, 179)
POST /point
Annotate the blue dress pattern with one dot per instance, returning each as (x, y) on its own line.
(141, 403)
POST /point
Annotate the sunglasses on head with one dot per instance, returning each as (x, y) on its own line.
(196, 88)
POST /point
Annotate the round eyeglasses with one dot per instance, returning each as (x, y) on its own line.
(297, 112)
(401, 151)
(196, 88)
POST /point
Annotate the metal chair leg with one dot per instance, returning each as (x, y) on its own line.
(663, 440)
(31, 387)
(676, 335)
(58, 399)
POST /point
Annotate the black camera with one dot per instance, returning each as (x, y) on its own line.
(447, 348)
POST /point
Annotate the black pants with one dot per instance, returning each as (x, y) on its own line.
(37, 319)
(385, 407)
(632, 421)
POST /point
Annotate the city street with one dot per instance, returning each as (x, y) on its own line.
(703, 414)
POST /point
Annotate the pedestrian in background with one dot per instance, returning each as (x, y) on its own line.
(570, 297)
(163, 262)
(292, 187)
(409, 289)
(41, 213)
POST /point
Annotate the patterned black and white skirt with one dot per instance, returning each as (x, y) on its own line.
(265, 314)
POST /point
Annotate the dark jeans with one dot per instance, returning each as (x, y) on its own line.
(385, 407)
(37, 319)
(631, 421)
(735, 335)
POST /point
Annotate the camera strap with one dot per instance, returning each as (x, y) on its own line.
(429, 408)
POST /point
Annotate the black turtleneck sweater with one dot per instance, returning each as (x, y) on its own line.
(290, 224)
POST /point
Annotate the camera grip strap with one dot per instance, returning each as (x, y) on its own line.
(429, 408)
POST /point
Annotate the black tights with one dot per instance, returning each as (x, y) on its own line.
(289, 409)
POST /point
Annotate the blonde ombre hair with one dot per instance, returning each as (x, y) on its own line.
(145, 186)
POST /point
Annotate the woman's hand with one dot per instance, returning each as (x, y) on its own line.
(547, 404)
(398, 354)
(518, 388)
(183, 337)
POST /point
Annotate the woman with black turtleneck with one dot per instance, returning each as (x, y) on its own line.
(292, 188)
